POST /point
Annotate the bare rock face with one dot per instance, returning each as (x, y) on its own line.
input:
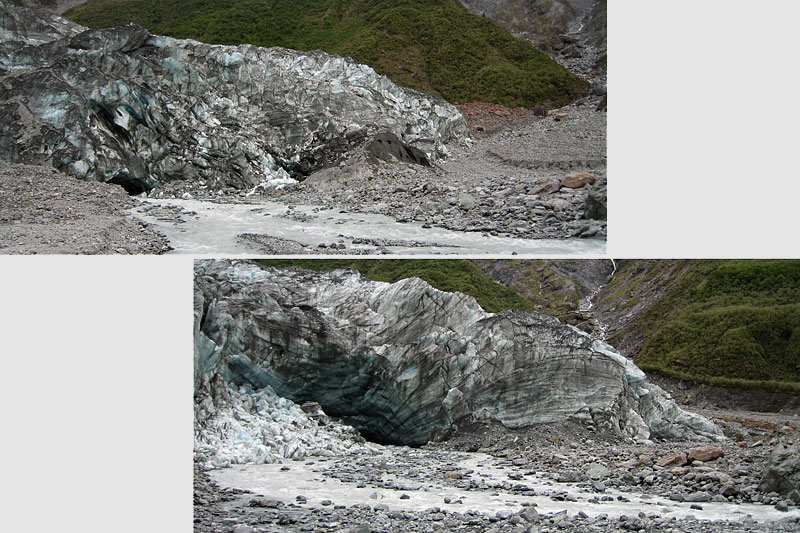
(124, 106)
(403, 361)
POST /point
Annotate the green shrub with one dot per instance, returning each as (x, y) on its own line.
(727, 322)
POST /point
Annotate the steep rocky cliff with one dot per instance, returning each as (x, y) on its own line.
(124, 106)
(403, 361)
(536, 17)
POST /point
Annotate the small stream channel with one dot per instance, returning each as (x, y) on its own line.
(586, 305)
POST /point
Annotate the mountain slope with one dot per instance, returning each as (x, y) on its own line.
(436, 46)
(537, 17)
(723, 322)
(726, 322)
(556, 287)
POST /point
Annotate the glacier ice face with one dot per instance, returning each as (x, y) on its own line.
(258, 427)
(140, 110)
(402, 361)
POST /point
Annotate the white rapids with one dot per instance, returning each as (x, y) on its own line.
(305, 478)
(214, 228)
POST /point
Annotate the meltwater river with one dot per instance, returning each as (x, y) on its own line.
(215, 228)
(284, 481)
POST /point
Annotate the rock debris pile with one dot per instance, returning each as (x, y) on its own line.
(44, 211)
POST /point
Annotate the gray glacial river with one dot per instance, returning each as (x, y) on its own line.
(306, 479)
(214, 228)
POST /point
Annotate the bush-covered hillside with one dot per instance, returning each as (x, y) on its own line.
(436, 46)
(726, 322)
(444, 274)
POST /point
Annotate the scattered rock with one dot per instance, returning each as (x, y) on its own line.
(547, 187)
(44, 211)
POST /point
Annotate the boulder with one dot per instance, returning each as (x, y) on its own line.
(576, 180)
(596, 201)
(597, 471)
(402, 362)
(705, 453)
(466, 201)
(782, 474)
(549, 186)
(673, 459)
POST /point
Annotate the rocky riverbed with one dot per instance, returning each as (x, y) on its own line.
(546, 478)
(520, 175)
(508, 182)
(535, 178)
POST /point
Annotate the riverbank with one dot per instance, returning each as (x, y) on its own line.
(47, 212)
(556, 478)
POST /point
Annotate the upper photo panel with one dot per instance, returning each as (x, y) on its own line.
(303, 127)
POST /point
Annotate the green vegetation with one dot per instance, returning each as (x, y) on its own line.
(435, 46)
(724, 322)
(539, 281)
(445, 274)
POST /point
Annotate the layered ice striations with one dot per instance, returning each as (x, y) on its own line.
(403, 361)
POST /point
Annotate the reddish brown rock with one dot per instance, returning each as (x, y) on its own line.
(705, 453)
(576, 180)
(547, 187)
(642, 460)
(673, 459)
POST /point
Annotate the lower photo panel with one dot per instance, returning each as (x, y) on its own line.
(502, 395)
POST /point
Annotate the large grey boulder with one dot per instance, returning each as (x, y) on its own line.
(140, 110)
(403, 361)
(782, 474)
(596, 200)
